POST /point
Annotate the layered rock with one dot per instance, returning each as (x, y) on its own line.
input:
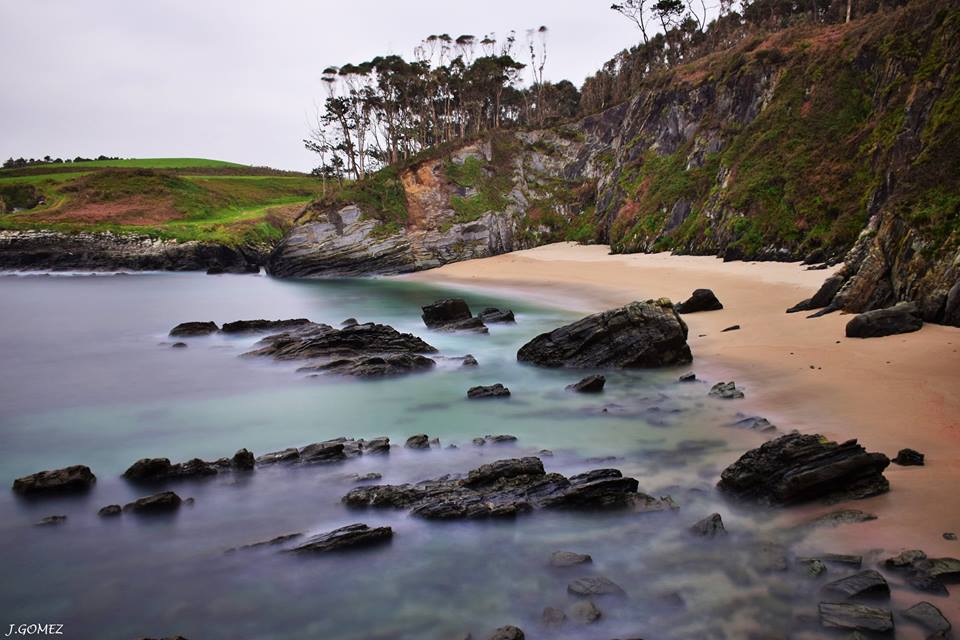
(640, 334)
(75, 478)
(502, 488)
(354, 536)
(335, 450)
(796, 468)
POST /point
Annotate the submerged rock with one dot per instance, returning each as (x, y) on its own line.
(469, 361)
(553, 617)
(452, 314)
(563, 559)
(701, 300)
(364, 350)
(595, 586)
(162, 502)
(840, 517)
(354, 536)
(908, 458)
(855, 617)
(508, 632)
(75, 478)
(584, 612)
(725, 391)
(590, 384)
(272, 542)
(493, 315)
(641, 334)
(905, 559)
(709, 527)
(51, 521)
(687, 377)
(901, 318)
(110, 510)
(502, 488)
(755, 423)
(796, 468)
(862, 584)
(192, 329)
(492, 391)
(928, 617)
(255, 326)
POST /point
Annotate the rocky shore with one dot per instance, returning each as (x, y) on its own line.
(55, 251)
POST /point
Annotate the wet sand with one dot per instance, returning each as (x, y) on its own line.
(890, 393)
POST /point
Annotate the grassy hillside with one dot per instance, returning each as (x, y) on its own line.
(176, 198)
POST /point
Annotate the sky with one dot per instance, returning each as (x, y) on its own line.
(234, 80)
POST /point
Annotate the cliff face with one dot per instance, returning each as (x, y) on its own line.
(815, 143)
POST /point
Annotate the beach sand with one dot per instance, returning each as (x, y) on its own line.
(890, 393)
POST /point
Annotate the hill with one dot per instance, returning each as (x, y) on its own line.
(182, 199)
(816, 142)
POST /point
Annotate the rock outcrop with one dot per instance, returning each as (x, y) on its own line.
(796, 468)
(161, 469)
(452, 314)
(900, 318)
(354, 536)
(701, 300)
(641, 334)
(75, 478)
(503, 488)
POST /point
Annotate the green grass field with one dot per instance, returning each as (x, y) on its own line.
(176, 198)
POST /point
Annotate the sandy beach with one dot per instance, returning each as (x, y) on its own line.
(890, 393)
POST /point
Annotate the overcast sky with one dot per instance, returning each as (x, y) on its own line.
(234, 80)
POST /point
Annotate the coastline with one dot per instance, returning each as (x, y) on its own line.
(891, 393)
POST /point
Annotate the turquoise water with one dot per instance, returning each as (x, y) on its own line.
(89, 378)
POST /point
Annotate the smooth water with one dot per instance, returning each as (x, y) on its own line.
(88, 377)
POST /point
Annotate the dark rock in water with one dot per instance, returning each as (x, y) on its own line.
(949, 535)
(479, 442)
(947, 569)
(492, 391)
(361, 350)
(452, 314)
(287, 455)
(568, 559)
(272, 542)
(368, 477)
(469, 361)
(862, 584)
(553, 617)
(419, 441)
(503, 438)
(855, 617)
(349, 322)
(901, 318)
(725, 391)
(374, 366)
(75, 478)
(584, 612)
(508, 632)
(709, 527)
(157, 503)
(255, 326)
(494, 315)
(502, 488)
(595, 586)
(354, 536)
(216, 271)
(51, 521)
(701, 300)
(822, 298)
(179, 345)
(905, 559)
(734, 327)
(326, 451)
(243, 460)
(110, 510)
(756, 423)
(641, 334)
(688, 377)
(376, 446)
(814, 566)
(192, 329)
(841, 517)
(928, 617)
(156, 469)
(590, 384)
(795, 468)
(908, 458)
(928, 584)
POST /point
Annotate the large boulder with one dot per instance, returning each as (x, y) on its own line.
(502, 488)
(452, 314)
(75, 478)
(192, 329)
(796, 468)
(901, 318)
(162, 502)
(365, 350)
(351, 537)
(701, 300)
(640, 334)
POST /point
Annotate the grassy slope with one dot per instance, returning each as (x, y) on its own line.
(176, 198)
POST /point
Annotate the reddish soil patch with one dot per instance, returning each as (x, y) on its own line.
(133, 211)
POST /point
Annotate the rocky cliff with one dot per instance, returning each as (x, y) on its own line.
(821, 143)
